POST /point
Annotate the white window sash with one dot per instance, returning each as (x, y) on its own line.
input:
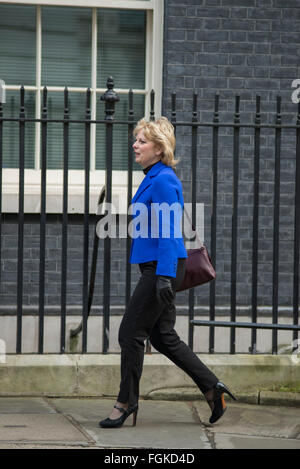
(54, 191)
(123, 4)
(153, 80)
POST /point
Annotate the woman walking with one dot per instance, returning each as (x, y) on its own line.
(151, 310)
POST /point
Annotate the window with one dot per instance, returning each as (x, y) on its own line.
(79, 47)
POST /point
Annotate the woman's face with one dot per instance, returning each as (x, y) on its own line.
(146, 152)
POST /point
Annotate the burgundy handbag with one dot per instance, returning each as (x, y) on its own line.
(198, 268)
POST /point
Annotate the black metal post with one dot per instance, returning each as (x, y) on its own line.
(296, 278)
(276, 224)
(64, 244)
(173, 109)
(248, 325)
(152, 118)
(234, 220)
(110, 98)
(255, 221)
(193, 200)
(129, 191)
(85, 279)
(21, 219)
(213, 221)
(43, 224)
(152, 111)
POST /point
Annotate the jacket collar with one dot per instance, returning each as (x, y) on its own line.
(147, 180)
(156, 169)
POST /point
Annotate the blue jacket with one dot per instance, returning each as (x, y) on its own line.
(156, 229)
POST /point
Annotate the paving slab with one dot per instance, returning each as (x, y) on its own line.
(37, 422)
(245, 420)
(25, 405)
(47, 428)
(226, 441)
(160, 424)
(45, 445)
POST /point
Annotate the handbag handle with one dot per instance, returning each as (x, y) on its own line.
(193, 228)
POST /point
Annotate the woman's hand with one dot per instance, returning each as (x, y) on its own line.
(164, 291)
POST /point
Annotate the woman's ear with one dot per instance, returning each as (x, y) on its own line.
(159, 151)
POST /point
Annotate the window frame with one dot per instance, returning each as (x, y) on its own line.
(153, 80)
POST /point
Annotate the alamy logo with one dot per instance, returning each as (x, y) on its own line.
(2, 351)
(296, 93)
(157, 221)
(296, 351)
(294, 347)
(2, 91)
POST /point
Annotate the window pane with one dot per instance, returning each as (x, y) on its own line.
(77, 102)
(121, 54)
(66, 46)
(121, 48)
(120, 133)
(11, 130)
(17, 44)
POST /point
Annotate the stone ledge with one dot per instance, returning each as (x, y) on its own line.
(99, 375)
(286, 399)
(282, 399)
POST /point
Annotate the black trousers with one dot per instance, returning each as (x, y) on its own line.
(146, 318)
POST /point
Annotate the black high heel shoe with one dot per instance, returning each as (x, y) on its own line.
(218, 401)
(116, 423)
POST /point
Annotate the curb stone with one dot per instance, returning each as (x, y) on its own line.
(285, 399)
(288, 399)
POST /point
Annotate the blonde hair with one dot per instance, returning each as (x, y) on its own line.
(161, 133)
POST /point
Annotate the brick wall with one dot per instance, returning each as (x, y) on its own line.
(245, 48)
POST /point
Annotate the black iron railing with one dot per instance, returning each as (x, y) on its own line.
(110, 98)
(236, 126)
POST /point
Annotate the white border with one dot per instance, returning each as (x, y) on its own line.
(153, 80)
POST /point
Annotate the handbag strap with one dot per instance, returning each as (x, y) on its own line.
(193, 228)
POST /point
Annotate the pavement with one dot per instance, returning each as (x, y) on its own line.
(72, 423)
